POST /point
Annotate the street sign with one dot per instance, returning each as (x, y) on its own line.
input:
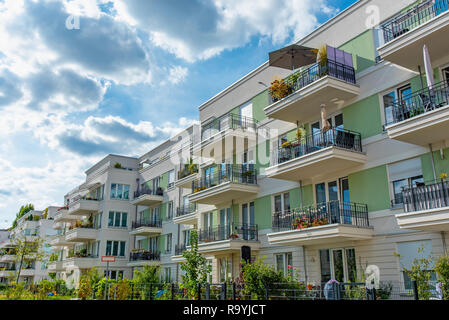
(107, 259)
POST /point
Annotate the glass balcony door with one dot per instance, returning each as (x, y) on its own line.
(225, 223)
(248, 221)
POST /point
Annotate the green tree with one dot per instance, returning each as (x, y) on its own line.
(143, 278)
(22, 211)
(195, 267)
(442, 269)
(27, 251)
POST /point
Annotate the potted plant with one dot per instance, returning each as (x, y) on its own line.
(279, 89)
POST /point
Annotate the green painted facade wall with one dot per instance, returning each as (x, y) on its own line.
(364, 117)
(307, 195)
(163, 210)
(260, 102)
(262, 208)
(370, 187)
(262, 160)
(362, 49)
(295, 198)
(164, 181)
(441, 165)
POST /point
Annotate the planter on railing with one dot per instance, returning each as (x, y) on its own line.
(419, 102)
(426, 196)
(229, 232)
(413, 18)
(335, 137)
(245, 174)
(333, 212)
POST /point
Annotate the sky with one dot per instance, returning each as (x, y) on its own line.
(80, 79)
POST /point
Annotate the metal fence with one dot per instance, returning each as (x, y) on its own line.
(335, 137)
(151, 223)
(231, 231)
(228, 121)
(238, 173)
(425, 196)
(186, 209)
(417, 103)
(340, 212)
(413, 18)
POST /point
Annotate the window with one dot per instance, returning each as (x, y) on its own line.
(282, 203)
(410, 250)
(115, 248)
(225, 268)
(114, 274)
(208, 221)
(403, 94)
(170, 210)
(402, 174)
(167, 272)
(156, 183)
(97, 220)
(119, 191)
(168, 243)
(445, 73)
(186, 237)
(118, 219)
(171, 178)
(284, 263)
(153, 244)
(338, 264)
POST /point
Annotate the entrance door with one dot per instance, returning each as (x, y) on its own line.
(338, 264)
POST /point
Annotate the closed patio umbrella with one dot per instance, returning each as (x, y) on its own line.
(325, 125)
(428, 67)
(292, 57)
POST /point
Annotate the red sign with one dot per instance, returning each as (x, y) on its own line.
(107, 259)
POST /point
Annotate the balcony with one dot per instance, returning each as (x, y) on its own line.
(422, 118)
(81, 234)
(228, 239)
(55, 266)
(63, 216)
(406, 34)
(321, 224)
(226, 135)
(83, 207)
(7, 258)
(309, 89)
(148, 197)
(179, 249)
(186, 214)
(426, 207)
(141, 258)
(228, 182)
(146, 228)
(320, 153)
(80, 261)
(186, 174)
(60, 241)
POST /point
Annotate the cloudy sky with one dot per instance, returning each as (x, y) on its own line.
(83, 78)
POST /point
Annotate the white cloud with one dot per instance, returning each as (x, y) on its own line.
(177, 74)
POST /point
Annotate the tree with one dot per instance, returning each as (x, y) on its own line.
(27, 250)
(195, 267)
(22, 211)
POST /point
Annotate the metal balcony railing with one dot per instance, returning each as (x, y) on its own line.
(228, 121)
(185, 210)
(145, 256)
(413, 18)
(229, 232)
(300, 79)
(185, 171)
(418, 102)
(180, 248)
(222, 173)
(332, 212)
(155, 223)
(159, 192)
(335, 137)
(426, 196)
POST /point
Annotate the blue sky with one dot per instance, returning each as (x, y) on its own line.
(132, 75)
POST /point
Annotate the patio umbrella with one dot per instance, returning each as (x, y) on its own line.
(428, 67)
(325, 125)
(292, 57)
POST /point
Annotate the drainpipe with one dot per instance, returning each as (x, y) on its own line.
(433, 162)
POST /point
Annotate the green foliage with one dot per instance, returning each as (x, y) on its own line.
(143, 278)
(120, 290)
(384, 291)
(442, 270)
(257, 276)
(118, 165)
(195, 267)
(22, 211)
(85, 289)
(100, 288)
(26, 250)
(44, 288)
(17, 291)
(420, 271)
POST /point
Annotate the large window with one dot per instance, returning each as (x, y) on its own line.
(115, 248)
(284, 263)
(171, 178)
(338, 264)
(168, 242)
(114, 274)
(186, 237)
(119, 191)
(167, 273)
(225, 268)
(97, 220)
(170, 210)
(402, 174)
(118, 219)
(282, 203)
(403, 94)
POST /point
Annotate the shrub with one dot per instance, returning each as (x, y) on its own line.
(279, 89)
(442, 270)
(85, 288)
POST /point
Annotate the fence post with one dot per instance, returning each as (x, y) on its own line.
(172, 291)
(415, 290)
(208, 291)
(199, 291)
(233, 291)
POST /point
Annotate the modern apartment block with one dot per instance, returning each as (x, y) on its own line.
(32, 225)
(350, 191)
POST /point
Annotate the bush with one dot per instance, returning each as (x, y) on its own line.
(442, 270)
(85, 289)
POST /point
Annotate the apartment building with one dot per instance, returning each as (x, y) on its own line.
(32, 225)
(346, 171)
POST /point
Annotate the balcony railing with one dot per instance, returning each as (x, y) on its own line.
(145, 256)
(419, 102)
(159, 192)
(185, 171)
(334, 137)
(180, 248)
(245, 174)
(229, 232)
(150, 224)
(425, 196)
(333, 212)
(229, 121)
(185, 210)
(300, 79)
(413, 18)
